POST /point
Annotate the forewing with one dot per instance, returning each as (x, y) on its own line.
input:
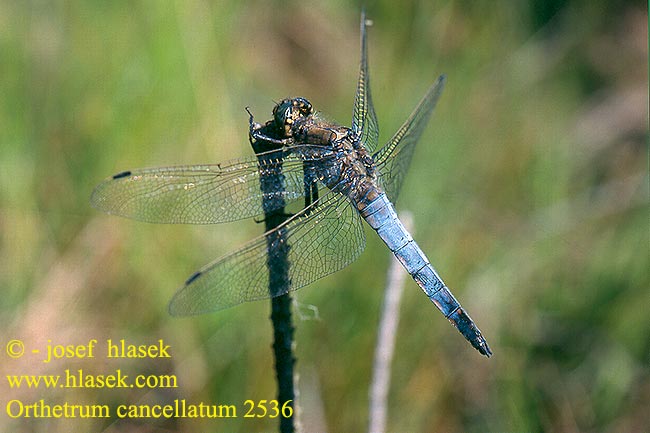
(395, 157)
(197, 194)
(364, 119)
(322, 239)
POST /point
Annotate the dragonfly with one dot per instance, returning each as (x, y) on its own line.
(338, 172)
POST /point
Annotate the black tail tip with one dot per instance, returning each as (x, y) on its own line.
(461, 320)
(482, 347)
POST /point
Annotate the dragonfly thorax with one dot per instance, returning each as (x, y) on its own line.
(288, 111)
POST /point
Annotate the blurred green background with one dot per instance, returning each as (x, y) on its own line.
(529, 191)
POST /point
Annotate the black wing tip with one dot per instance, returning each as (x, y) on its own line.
(97, 197)
(178, 308)
(193, 277)
(122, 174)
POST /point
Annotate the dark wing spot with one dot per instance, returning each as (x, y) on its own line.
(194, 276)
(122, 174)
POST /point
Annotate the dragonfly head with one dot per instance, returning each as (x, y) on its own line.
(289, 110)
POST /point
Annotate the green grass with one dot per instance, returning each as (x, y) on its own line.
(529, 191)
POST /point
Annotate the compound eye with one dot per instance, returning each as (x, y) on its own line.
(289, 110)
(282, 111)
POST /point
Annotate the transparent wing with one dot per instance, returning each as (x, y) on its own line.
(202, 194)
(364, 119)
(322, 239)
(394, 158)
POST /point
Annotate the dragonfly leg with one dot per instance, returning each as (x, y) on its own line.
(311, 188)
(253, 126)
(257, 135)
(254, 130)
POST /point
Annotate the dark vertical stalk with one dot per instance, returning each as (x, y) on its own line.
(269, 155)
